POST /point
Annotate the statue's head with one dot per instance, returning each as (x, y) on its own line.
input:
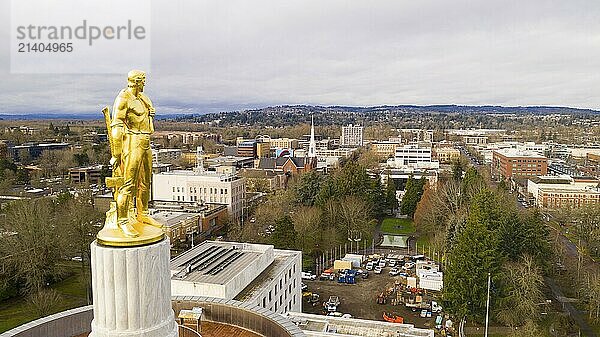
(136, 79)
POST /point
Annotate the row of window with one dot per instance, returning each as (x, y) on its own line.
(283, 296)
(206, 190)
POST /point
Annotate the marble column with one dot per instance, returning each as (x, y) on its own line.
(132, 291)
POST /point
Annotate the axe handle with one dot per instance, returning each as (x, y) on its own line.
(106, 113)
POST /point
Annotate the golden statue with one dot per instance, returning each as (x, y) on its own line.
(128, 222)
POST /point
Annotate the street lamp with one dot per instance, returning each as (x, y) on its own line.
(356, 236)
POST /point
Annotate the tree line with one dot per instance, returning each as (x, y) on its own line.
(37, 238)
(479, 231)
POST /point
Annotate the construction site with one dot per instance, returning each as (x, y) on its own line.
(396, 289)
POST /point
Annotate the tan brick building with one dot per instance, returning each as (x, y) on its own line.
(446, 155)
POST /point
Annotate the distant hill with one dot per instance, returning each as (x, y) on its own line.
(432, 116)
(338, 110)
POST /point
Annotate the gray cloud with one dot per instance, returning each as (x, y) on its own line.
(221, 55)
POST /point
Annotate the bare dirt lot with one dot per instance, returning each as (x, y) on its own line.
(359, 299)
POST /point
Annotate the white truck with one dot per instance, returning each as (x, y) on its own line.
(332, 304)
(433, 306)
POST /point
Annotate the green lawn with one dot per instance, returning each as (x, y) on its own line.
(397, 226)
(16, 311)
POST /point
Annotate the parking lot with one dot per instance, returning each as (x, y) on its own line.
(360, 299)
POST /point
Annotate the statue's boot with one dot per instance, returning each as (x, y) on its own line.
(128, 229)
(147, 219)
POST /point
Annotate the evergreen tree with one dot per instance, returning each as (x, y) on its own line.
(525, 235)
(284, 235)
(412, 196)
(475, 254)
(457, 170)
(390, 194)
(376, 197)
(308, 188)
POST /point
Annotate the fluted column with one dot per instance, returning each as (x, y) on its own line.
(132, 291)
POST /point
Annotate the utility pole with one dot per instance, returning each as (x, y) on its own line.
(487, 309)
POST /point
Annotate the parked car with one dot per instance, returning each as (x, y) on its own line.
(382, 263)
(327, 276)
(394, 271)
(369, 266)
(424, 313)
(392, 263)
(377, 270)
(303, 286)
(408, 266)
(308, 276)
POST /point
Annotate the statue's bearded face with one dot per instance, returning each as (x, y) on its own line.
(138, 83)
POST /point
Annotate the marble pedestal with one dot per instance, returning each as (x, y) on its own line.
(132, 291)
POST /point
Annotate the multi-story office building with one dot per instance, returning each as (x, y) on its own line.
(446, 155)
(513, 163)
(33, 151)
(352, 135)
(86, 175)
(166, 156)
(186, 221)
(280, 143)
(563, 191)
(250, 273)
(204, 187)
(475, 140)
(384, 148)
(413, 156)
(247, 148)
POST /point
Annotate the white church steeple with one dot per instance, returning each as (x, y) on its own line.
(312, 147)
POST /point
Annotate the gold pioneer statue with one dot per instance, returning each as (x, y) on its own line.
(128, 222)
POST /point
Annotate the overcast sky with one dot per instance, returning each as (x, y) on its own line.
(223, 55)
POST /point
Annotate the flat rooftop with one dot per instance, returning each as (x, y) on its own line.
(171, 218)
(212, 329)
(518, 153)
(317, 325)
(213, 262)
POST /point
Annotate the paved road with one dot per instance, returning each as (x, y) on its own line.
(573, 312)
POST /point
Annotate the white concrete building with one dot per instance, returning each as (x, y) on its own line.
(251, 273)
(415, 157)
(531, 147)
(352, 135)
(204, 187)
